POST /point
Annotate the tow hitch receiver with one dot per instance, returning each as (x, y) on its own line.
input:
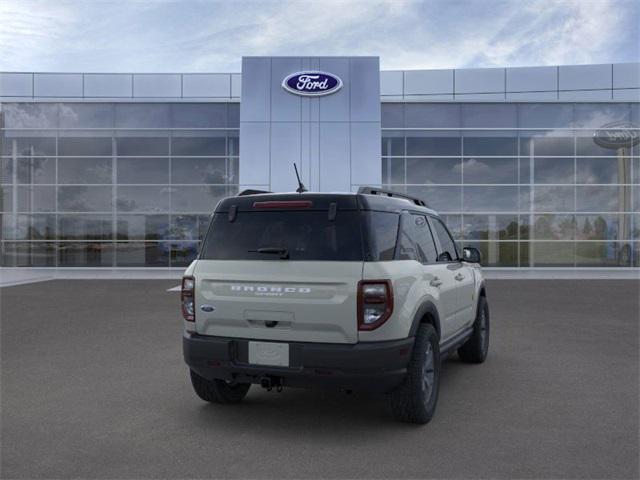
(270, 382)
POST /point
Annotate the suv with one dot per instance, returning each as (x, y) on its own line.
(361, 291)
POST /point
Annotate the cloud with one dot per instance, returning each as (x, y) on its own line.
(195, 35)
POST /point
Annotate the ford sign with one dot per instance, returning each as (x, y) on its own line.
(617, 135)
(312, 83)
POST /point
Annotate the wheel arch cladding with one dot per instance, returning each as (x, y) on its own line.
(427, 313)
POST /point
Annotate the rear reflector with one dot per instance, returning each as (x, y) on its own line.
(283, 204)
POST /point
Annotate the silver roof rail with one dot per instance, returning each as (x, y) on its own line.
(390, 193)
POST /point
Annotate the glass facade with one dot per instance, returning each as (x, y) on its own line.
(113, 184)
(525, 183)
(133, 184)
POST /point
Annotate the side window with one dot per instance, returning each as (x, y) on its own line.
(416, 242)
(447, 245)
(383, 232)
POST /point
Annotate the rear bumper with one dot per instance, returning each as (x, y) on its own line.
(373, 367)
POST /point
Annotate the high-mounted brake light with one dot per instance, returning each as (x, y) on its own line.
(187, 298)
(284, 204)
(375, 303)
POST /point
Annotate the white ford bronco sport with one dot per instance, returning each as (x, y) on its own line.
(361, 291)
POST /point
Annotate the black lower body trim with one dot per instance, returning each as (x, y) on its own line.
(456, 341)
(372, 366)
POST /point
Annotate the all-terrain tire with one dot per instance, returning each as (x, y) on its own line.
(218, 391)
(415, 400)
(476, 348)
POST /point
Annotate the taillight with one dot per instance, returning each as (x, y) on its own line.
(187, 298)
(375, 303)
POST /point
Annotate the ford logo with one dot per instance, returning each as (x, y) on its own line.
(617, 135)
(312, 83)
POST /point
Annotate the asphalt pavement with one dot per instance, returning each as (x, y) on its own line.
(93, 386)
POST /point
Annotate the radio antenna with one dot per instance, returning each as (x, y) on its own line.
(301, 188)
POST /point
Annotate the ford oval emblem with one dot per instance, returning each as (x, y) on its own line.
(207, 308)
(617, 135)
(312, 83)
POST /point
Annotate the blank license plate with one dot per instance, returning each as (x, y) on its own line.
(268, 353)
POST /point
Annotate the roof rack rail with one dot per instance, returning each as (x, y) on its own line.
(250, 191)
(390, 193)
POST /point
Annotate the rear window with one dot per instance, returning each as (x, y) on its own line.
(305, 235)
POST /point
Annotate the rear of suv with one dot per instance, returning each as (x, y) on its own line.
(361, 291)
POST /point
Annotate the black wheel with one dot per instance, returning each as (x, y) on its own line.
(475, 349)
(218, 391)
(415, 400)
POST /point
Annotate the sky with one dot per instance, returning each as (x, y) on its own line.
(212, 36)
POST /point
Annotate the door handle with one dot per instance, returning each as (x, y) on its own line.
(459, 277)
(436, 282)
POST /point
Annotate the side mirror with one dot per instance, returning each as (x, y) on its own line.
(471, 255)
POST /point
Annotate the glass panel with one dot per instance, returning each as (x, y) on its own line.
(553, 170)
(602, 198)
(604, 227)
(85, 227)
(84, 199)
(199, 145)
(586, 146)
(233, 143)
(635, 232)
(525, 170)
(553, 199)
(636, 170)
(142, 227)
(142, 115)
(30, 115)
(392, 115)
(392, 144)
(597, 115)
(142, 146)
(233, 115)
(603, 170)
(199, 170)
(28, 227)
(434, 170)
(143, 199)
(554, 227)
(36, 199)
(603, 254)
(490, 227)
(37, 254)
(85, 254)
(393, 171)
(6, 199)
(489, 115)
(199, 115)
(426, 115)
(40, 146)
(541, 144)
(497, 254)
(143, 170)
(82, 115)
(490, 199)
(84, 170)
(525, 226)
(198, 199)
(183, 253)
(551, 254)
(441, 199)
(84, 146)
(490, 146)
(142, 254)
(36, 170)
(429, 145)
(6, 170)
(545, 115)
(490, 170)
(184, 227)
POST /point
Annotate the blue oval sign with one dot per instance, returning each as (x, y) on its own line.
(312, 83)
(617, 135)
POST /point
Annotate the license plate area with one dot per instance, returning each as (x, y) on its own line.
(269, 353)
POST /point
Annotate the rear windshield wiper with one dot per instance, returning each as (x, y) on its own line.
(283, 252)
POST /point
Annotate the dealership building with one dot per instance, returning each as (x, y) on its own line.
(537, 167)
